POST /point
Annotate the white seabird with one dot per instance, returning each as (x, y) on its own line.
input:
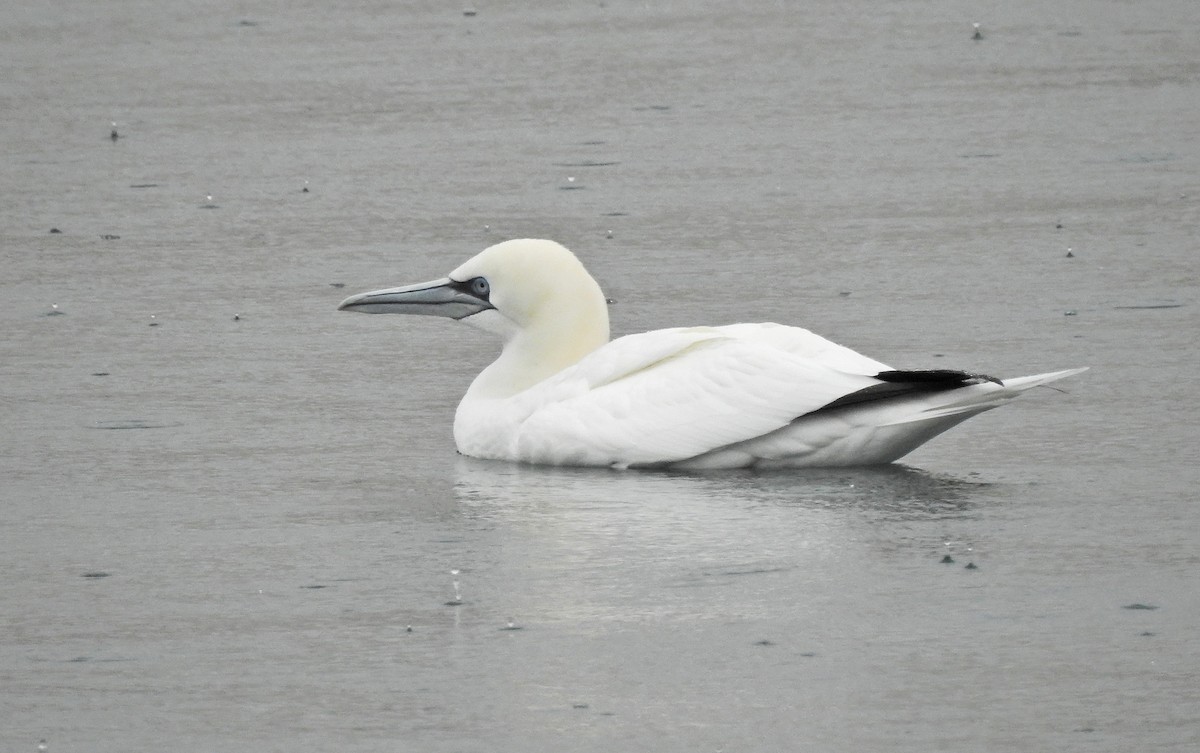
(741, 395)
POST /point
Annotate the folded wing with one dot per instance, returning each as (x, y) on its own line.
(669, 395)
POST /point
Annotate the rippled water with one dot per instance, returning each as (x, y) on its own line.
(231, 515)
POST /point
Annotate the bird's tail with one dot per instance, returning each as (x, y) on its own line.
(977, 398)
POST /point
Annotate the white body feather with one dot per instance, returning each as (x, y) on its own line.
(716, 397)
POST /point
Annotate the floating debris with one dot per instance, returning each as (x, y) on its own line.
(96, 574)
(143, 185)
(110, 237)
(971, 566)
(470, 12)
(947, 560)
(457, 600)
(1139, 606)
(54, 231)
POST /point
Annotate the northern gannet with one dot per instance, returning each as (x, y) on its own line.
(735, 396)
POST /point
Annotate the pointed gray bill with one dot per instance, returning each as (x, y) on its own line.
(444, 297)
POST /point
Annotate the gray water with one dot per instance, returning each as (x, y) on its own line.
(224, 504)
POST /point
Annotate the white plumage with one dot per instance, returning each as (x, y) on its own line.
(742, 395)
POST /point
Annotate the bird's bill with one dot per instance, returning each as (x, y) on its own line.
(443, 297)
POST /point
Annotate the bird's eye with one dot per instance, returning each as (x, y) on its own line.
(480, 287)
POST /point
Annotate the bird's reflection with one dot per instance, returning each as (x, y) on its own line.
(890, 491)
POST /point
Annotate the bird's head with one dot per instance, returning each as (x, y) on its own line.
(534, 293)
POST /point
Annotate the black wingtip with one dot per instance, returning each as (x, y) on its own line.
(935, 379)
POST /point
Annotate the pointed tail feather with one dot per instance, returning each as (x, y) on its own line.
(977, 398)
(1020, 384)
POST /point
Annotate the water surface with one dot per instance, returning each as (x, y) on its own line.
(225, 504)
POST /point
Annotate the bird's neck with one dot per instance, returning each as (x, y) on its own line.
(539, 352)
